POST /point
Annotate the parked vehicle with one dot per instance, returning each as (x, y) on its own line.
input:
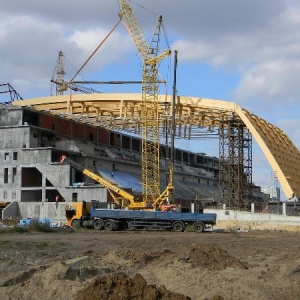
(83, 214)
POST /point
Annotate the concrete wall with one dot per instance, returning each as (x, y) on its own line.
(49, 210)
(11, 116)
(88, 193)
(36, 210)
(12, 162)
(33, 156)
(11, 211)
(224, 215)
(14, 137)
(22, 210)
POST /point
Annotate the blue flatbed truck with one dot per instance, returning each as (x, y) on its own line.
(119, 219)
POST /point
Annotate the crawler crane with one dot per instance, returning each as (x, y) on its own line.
(151, 58)
(149, 108)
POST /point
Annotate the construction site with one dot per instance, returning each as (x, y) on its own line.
(129, 140)
(75, 156)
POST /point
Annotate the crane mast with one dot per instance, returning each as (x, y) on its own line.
(149, 104)
(60, 72)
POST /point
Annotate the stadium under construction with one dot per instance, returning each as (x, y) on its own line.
(129, 140)
(91, 129)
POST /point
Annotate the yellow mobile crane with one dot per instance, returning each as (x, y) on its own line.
(122, 198)
(78, 212)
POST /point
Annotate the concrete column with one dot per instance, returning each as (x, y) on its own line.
(43, 213)
(284, 208)
(252, 208)
(224, 206)
(192, 207)
(43, 187)
(72, 176)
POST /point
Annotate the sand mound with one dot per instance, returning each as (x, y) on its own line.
(121, 287)
(209, 257)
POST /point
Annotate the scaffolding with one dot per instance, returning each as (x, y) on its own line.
(235, 164)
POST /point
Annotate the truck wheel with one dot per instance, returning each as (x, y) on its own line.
(75, 224)
(178, 226)
(130, 225)
(199, 227)
(109, 225)
(98, 225)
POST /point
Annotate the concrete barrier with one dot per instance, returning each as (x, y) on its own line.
(24, 210)
(234, 215)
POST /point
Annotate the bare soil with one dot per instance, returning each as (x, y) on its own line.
(87, 264)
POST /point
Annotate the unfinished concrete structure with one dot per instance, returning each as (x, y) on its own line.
(33, 141)
(193, 117)
(31, 169)
(96, 130)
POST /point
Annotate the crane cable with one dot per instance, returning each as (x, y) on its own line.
(96, 50)
(156, 14)
(143, 7)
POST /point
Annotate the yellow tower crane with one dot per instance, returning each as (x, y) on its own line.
(149, 106)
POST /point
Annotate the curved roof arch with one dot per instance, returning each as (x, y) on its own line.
(192, 115)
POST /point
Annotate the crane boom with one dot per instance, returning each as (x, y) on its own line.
(73, 86)
(123, 198)
(133, 27)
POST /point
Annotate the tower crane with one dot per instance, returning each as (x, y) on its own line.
(62, 85)
(149, 105)
(151, 58)
(60, 73)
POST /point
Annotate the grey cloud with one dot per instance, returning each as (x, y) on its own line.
(237, 35)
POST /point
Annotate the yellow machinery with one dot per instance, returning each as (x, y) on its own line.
(152, 198)
(121, 198)
(150, 105)
(76, 211)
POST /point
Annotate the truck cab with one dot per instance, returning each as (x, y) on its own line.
(77, 212)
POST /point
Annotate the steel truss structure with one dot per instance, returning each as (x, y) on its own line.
(235, 164)
(6, 88)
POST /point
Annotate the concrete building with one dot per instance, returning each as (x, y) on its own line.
(32, 143)
(273, 191)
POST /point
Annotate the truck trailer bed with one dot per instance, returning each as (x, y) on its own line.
(206, 218)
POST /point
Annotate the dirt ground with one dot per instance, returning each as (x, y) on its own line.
(87, 264)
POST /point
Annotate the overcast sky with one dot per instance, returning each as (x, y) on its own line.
(243, 51)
